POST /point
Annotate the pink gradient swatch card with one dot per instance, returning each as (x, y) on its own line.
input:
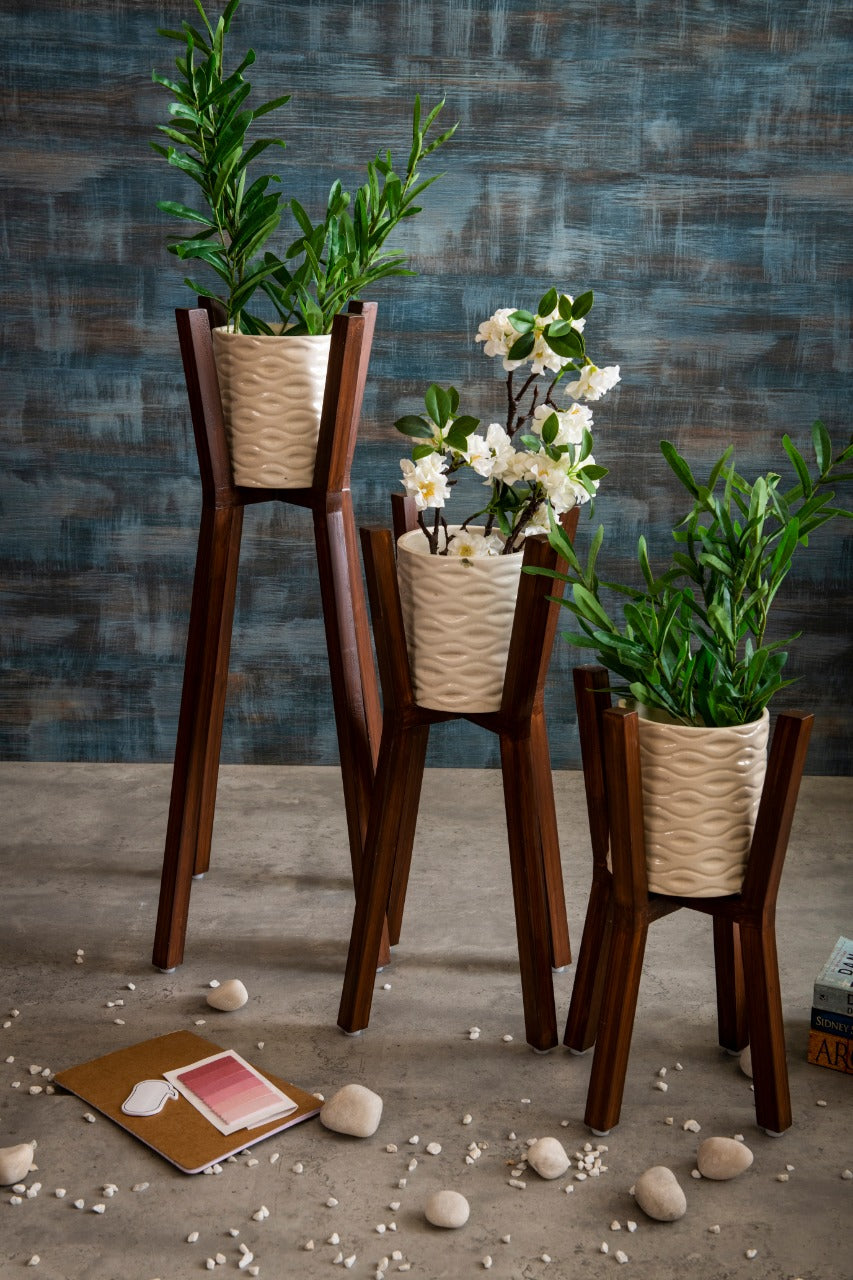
(229, 1092)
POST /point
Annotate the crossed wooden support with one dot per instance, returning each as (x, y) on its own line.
(620, 910)
(353, 677)
(537, 879)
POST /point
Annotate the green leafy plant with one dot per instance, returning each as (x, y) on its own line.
(692, 641)
(328, 264)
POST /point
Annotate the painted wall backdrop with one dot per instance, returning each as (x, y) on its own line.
(686, 159)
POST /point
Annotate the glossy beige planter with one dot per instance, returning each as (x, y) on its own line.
(701, 788)
(272, 388)
(458, 618)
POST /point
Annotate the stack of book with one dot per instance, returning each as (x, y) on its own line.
(831, 1034)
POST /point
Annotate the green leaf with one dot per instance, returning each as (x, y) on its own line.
(522, 347)
(822, 447)
(181, 211)
(564, 306)
(522, 321)
(582, 305)
(591, 607)
(437, 403)
(547, 303)
(570, 344)
(550, 428)
(799, 465)
(679, 466)
(421, 451)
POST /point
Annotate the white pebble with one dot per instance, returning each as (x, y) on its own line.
(694, 1173)
(246, 1261)
(510, 1136)
(820, 1102)
(401, 1182)
(250, 1164)
(210, 1263)
(412, 1165)
(661, 1085)
(790, 1168)
(386, 986)
(234, 1232)
(308, 1246)
(87, 1116)
(548, 1157)
(229, 996)
(391, 1148)
(275, 1157)
(199, 1022)
(394, 1206)
(467, 1118)
(214, 983)
(334, 1238)
(620, 1256)
(80, 952)
(35, 1089)
(15, 1200)
(604, 1247)
(517, 1183)
(691, 1126)
(715, 1230)
(331, 1203)
(10, 1059)
(350, 1261)
(338, 1258)
(140, 1186)
(669, 1120)
(487, 1262)
(34, 1260)
(414, 1140)
(434, 1148)
(260, 1214)
(632, 1226)
(221, 1259)
(616, 1226)
(99, 1208)
(60, 1193)
(847, 1175)
(751, 1253)
(192, 1237)
(782, 1177)
(659, 1195)
(353, 1110)
(505, 1239)
(544, 1257)
(507, 1039)
(131, 986)
(297, 1168)
(261, 1044)
(527, 1100)
(447, 1209)
(380, 1228)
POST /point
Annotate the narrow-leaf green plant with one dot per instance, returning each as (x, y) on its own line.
(692, 641)
(328, 264)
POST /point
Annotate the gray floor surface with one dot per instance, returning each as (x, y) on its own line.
(82, 846)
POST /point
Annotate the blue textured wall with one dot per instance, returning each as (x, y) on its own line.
(688, 160)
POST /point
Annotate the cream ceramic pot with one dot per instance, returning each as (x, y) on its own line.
(701, 789)
(458, 616)
(272, 388)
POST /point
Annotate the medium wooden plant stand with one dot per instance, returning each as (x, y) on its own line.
(537, 880)
(620, 910)
(353, 677)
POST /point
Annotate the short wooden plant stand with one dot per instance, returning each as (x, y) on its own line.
(353, 678)
(537, 879)
(620, 910)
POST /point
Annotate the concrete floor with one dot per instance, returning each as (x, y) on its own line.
(81, 860)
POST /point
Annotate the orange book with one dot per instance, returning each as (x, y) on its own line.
(835, 1052)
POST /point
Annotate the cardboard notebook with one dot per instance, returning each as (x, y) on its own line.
(179, 1132)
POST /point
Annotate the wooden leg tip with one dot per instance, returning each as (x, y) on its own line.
(162, 970)
(579, 1053)
(199, 875)
(771, 1133)
(559, 968)
(352, 1034)
(599, 1133)
(541, 1051)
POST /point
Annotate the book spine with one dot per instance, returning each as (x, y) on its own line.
(834, 1052)
(837, 1024)
(832, 999)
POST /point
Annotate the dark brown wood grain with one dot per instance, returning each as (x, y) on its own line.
(620, 911)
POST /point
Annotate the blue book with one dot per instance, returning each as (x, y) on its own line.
(835, 1024)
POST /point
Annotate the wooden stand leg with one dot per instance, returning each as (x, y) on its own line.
(529, 891)
(766, 1028)
(585, 1005)
(196, 766)
(616, 1025)
(731, 996)
(561, 951)
(401, 760)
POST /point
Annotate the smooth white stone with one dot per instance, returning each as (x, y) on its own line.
(745, 1061)
(15, 1162)
(722, 1158)
(229, 996)
(447, 1209)
(354, 1109)
(659, 1195)
(548, 1157)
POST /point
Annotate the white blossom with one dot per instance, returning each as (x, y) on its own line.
(572, 422)
(469, 543)
(497, 333)
(593, 382)
(425, 480)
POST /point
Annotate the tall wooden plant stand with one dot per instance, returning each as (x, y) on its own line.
(353, 678)
(537, 880)
(620, 910)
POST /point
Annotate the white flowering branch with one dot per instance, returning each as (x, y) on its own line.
(553, 471)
